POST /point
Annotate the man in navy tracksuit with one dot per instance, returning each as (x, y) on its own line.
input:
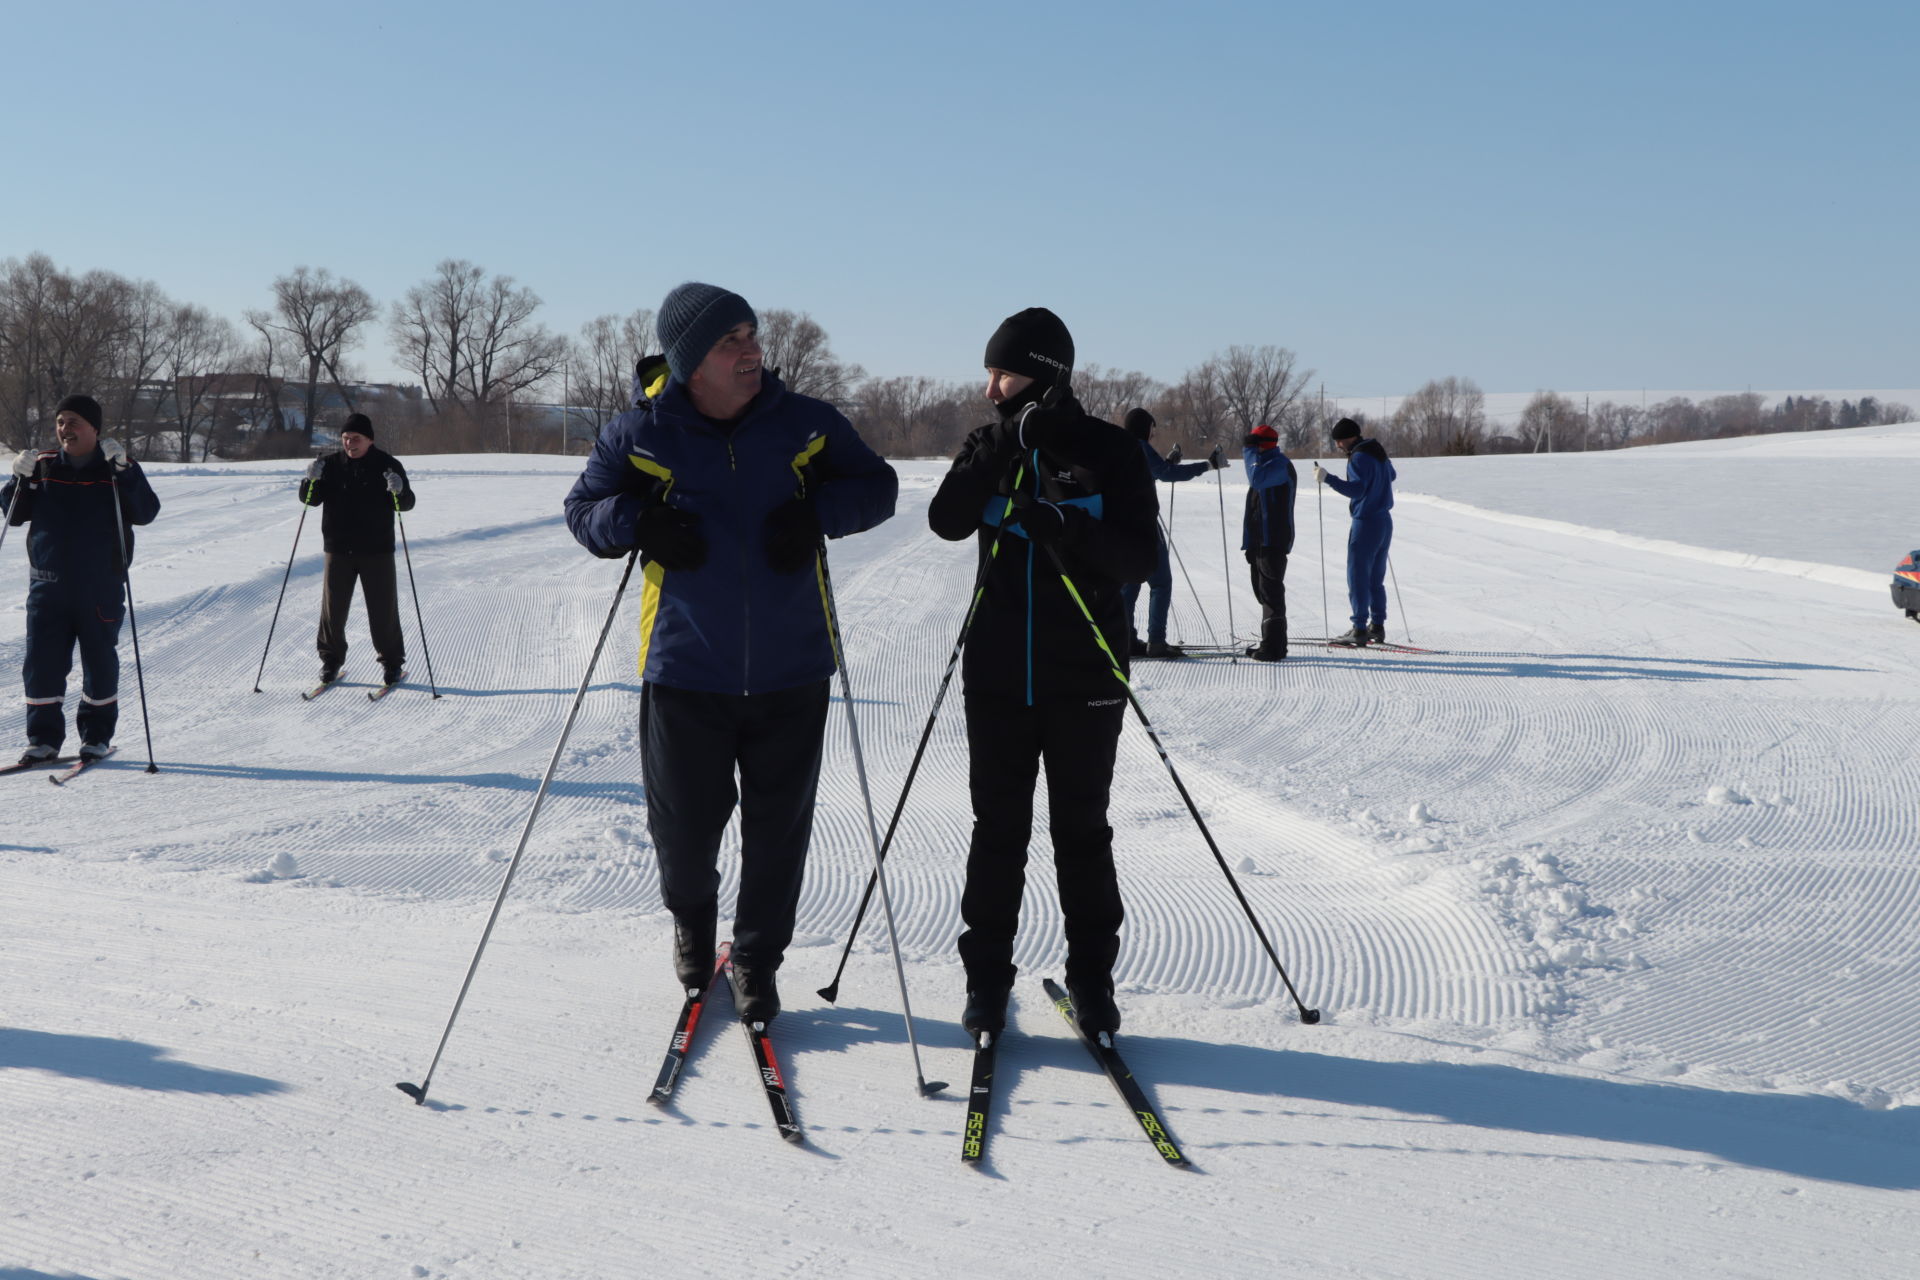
(1369, 488)
(1139, 425)
(77, 576)
(1266, 536)
(1045, 480)
(726, 482)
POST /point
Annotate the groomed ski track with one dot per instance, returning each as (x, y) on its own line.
(1632, 995)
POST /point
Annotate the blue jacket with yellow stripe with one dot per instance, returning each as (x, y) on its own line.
(733, 625)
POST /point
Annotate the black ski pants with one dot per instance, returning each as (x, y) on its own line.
(692, 745)
(1270, 589)
(379, 588)
(60, 616)
(1007, 741)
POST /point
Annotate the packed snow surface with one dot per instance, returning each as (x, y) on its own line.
(1609, 901)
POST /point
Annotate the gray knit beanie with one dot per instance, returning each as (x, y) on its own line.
(693, 318)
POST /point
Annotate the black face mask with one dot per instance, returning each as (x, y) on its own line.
(1034, 393)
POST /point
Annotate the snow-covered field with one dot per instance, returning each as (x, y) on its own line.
(1610, 904)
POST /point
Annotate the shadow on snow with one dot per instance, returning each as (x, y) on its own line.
(128, 1063)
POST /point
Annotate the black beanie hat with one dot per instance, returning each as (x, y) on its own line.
(86, 406)
(358, 422)
(1033, 343)
(1346, 429)
(1138, 422)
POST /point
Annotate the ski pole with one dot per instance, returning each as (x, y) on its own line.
(126, 570)
(418, 620)
(873, 831)
(418, 1092)
(1398, 602)
(283, 596)
(1226, 568)
(1320, 503)
(1307, 1015)
(1166, 531)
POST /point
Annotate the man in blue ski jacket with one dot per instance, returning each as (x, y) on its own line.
(1369, 490)
(726, 482)
(1044, 480)
(1139, 425)
(1266, 536)
(77, 574)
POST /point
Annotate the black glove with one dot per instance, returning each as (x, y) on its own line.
(1043, 428)
(1257, 442)
(1044, 521)
(1218, 458)
(670, 537)
(1173, 455)
(793, 535)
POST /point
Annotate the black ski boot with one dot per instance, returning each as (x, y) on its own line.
(986, 1011)
(1377, 633)
(693, 953)
(329, 672)
(1136, 648)
(1161, 649)
(755, 997)
(1260, 653)
(1354, 637)
(392, 673)
(1093, 1007)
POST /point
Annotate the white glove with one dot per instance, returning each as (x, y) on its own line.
(394, 483)
(116, 454)
(1218, 458)
(314, 469)
(1319, 474)
(25, 462)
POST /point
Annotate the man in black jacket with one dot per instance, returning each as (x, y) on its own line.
(1054, 496)
(76, 582)
(361, 486)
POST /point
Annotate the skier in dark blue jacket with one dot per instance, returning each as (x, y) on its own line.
(1266, 536)
(76, 582)
(726, 482)
(1044, 480)
(1369, 490)
(1139, 425)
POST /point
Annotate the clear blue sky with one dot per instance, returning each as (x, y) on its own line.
(1677, 195)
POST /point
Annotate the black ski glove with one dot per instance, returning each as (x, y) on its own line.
(1257, 442)
(670, 537)
(793, 535)
(1218, 458)
(1044, 521)
(1174, 455)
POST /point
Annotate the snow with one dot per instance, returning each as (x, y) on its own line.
(1587, 1014)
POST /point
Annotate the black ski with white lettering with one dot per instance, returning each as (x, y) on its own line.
(769, 1067)
(23, 765)
(683, 1030)
(1130, 1091)
(973, 1139)
(68, 775)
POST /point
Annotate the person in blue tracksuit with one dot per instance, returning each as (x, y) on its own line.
(1139, 424)
(1266, 536)
(1368, 488)
(726, 482)
(76, 590)
(1045, 657)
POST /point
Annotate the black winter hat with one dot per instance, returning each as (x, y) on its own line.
(694, 317)
(1033, 343)
(86, 406)
(1139, 423)
(1346, 429)
(358, 422)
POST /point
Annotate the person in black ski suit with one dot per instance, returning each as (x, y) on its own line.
(1139, 425)
(1266, 536)
(76, 579)
(727, 483)
(361, 486)
(1043, 481)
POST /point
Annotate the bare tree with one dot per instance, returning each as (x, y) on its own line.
(1109, 393)
(58, 334)
(1194, 412)
(1260, 384)
(794, 344)
(139, 355)
(316, 319)
(1446, 416)
(602, 360)
(473, 341)
(200, 346)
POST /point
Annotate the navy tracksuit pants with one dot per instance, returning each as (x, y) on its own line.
(59, 616)
(1159, 598)
(693, 744)
(1367, 543)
